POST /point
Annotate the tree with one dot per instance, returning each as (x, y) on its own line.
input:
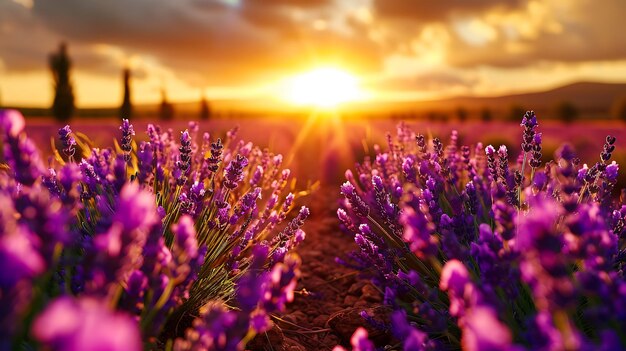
(516, 113)
(166, 110)
(618, 110)
(126, 109)
(566, 111)
(486, 115)
(461, 114)
(205, 109)
(63, 104)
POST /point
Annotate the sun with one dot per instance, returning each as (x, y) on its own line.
(324, 87)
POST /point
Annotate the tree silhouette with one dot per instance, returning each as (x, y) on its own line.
(461, 114)
(567, 111)
(516, 113)
(618, 110)
(126, 110)
(486, 115)
(63, 104)
(166, 110)
(205, 110)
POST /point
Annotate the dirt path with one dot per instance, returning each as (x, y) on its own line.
(329, 298)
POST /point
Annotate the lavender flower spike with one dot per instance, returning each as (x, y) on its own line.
(233, 174)
(68, 141)
(19, 151)
(85, 325)
(359, 207)
(127, 134)
(185, 235)
(183, 165)
(529, 122)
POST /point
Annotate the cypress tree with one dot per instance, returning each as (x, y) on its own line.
(126, 110)
(60, 65)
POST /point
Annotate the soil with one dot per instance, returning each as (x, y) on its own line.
(329, 297)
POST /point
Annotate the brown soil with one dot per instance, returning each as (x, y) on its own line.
(329, 297)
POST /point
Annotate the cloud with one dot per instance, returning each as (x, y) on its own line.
(210, 41)
(438, 10)
(26, 43)
(23, 40)
(222, 43)
(549, 31)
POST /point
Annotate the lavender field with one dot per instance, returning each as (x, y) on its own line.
(189, 240)
(294, 175)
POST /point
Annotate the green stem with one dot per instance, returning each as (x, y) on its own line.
(519, 193)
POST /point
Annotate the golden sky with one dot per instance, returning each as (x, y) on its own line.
(245, 49)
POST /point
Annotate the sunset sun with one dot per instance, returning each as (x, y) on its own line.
(323, 87)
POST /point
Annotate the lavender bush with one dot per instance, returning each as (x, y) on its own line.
(477, 252)
(174, 243)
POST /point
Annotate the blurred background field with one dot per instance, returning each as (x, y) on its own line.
(321, 146)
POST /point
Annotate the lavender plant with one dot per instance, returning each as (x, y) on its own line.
(476, 252)
(172, 243)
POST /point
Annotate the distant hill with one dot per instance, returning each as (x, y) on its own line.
(587, 97)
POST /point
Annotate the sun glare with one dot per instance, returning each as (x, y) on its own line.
(323, 87)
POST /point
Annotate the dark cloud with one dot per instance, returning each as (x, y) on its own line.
(291, 3)
(436, 10)
(23, 40)
(219, 42)
(208, 40)
(25, 43)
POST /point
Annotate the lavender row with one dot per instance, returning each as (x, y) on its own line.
(474, 249)
(177, 242)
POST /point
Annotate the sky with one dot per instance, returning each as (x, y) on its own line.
(247, 49)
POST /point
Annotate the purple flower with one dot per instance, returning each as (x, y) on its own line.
(539, 225)
(419, 231)
(482, 331)
(19, 151)
(257, 176)
(611, 172)
(136, 208)
(359, 207)
(260, 321)
(292, 228)
(126, 141)
(216, 155)
(360, 341)
(298, 237)
(529, 122)
(540, 180)
(609, 147)
(454, 277)
(217, 329)
(183, 165)
(535, 157)
(67, 141)
(85, 325)
(185, 236)
(246, 204)
(19, 257)
(490, 151)
(11, 122)
(145, 158)
(233, 174)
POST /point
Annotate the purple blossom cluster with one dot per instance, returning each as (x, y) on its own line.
(170, 243)
(474, 251)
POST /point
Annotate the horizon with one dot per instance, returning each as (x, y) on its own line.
(260, 106)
